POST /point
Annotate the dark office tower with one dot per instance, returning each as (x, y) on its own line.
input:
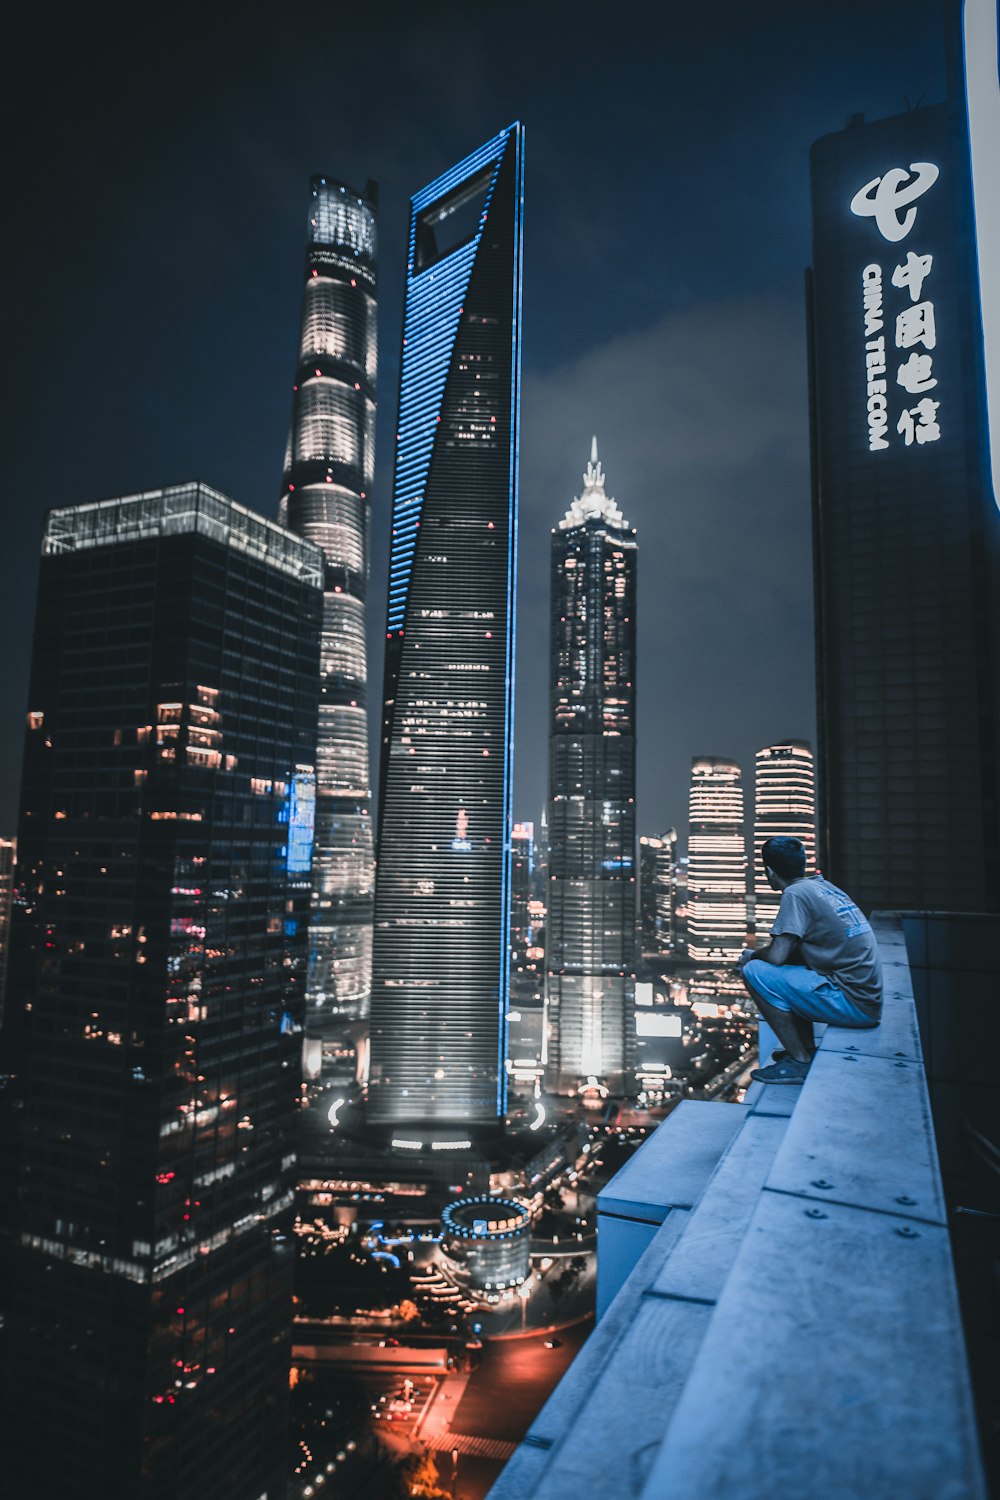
(328, 481)
(717, 867)
(440, 961)
(679, 905)
(906, 528)
(590, 949)
(8, 849)
(522, 860)
(784, 806)
(155, 993)
(657, 866)
(541, 882)
(526, 1014)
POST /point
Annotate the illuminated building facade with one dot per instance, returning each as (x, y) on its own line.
(679, 904)
(8, 849)
(657, 884)
(591, 926)
(717, 862)
(526, 1016)
(486, 1243)
(905, 523)
(784, 806)
(156, 998)
(440, 959)
(329, 470)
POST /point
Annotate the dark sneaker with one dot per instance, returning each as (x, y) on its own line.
(785, 1071)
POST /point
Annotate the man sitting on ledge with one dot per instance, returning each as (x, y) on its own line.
(821, 964)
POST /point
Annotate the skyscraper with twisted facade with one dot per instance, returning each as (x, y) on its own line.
(440, 959)
(327, 482)
(591, 927)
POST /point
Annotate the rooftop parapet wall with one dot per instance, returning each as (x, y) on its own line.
(174, 511)
(796, 1331)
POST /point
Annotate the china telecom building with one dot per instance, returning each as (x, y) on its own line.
(440, 960)
(906, 529)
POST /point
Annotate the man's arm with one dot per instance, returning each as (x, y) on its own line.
(778, 951)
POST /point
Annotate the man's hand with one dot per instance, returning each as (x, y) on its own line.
(780, 950)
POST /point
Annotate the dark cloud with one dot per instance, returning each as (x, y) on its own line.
(702, 426)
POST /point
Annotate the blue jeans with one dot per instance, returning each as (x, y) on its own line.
(808, 993)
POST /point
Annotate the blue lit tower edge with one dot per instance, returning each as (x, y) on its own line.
(327, 482)
(440, 960)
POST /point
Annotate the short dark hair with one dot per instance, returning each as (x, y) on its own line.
(786, 857)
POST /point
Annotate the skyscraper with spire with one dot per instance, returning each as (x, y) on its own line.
(327, 482)
(591, 816)
(717, 869)
(440, 959)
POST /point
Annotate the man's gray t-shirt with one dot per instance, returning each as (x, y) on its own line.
(835, 938)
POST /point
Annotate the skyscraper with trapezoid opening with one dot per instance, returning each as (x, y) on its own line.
(440, 960)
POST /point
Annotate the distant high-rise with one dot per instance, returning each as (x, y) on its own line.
(155, 1000)
(440, 959)
(906, 528)
(590, 947)
(327, 483)
(679, 904)
(784, 805)
(8, 849)
(525, 979)
(527, 962)
(717, 868)
(657, 878)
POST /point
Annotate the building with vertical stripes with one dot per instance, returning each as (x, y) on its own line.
(717, 868)
(328, 475)
(784, 805)
(440, 951)
(657, 885)
(591, 927)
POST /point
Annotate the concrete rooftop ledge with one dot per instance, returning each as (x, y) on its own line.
(779, 1309)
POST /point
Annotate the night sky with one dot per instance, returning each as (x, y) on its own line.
(157, 194)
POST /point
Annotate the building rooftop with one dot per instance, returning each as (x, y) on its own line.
(594, 504)
(177, 509)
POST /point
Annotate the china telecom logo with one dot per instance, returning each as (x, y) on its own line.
(887, 200)
(884, 197)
